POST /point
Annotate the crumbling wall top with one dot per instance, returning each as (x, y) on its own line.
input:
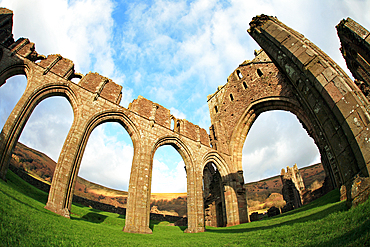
(102, 86)
(6, 26)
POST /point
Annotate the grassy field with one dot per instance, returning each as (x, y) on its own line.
(25, 222)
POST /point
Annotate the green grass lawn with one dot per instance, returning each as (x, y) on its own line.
(25, 222)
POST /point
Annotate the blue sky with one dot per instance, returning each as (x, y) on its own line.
(174, 53)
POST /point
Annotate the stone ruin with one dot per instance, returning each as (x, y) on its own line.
(213, 197)
(293, 188)
(290, 73)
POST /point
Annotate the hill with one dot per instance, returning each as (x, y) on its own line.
(42, 167)
(261, 195)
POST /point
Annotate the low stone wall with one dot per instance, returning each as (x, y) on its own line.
(86, 202)
(29, 179)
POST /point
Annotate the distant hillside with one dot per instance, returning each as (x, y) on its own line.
(42, 167)
(260, 194)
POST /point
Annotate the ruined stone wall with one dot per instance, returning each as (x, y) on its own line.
(295, 76)
(251, 81)
(95, 100)
(214, 201)
(355, 48)
(339, 108)
(293, 187)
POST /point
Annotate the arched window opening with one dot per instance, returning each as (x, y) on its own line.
(231, 97)
(43, 137)
(76, 78)
(259, 72)
(178, 126)
(172, 124)
(10, 93)
(216, 109)
(275, 141)
(107, 162)
(240, 75)
(213, 196)
(245, 85)
(169, 184)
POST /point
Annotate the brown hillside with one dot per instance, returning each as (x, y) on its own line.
(260, 194)
(261, 190)
(32, 161)
(266, 193)
(41, 166)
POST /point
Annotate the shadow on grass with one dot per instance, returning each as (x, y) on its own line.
(25, 188)
(312, 217)
(122, 216)
(91, 217)
(154, 223)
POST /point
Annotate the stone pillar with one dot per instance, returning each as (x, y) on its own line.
(66, 170)
(231, 204)
(235, 202)
(195, 204)
(138, 203)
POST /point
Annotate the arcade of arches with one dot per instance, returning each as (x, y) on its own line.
(290, 73)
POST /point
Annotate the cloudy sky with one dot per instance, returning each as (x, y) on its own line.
(174, 53)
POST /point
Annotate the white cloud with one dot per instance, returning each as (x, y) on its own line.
(78, 30)
(48, 126)
(10, 93)
(276, 140)
(178, 114)
(107, 159)
(168, 180)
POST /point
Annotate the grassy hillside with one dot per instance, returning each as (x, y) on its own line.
(261, 195)
(25, 222)
(42, 167)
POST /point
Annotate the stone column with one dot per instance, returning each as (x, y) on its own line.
(138, 203)
(66, 170)
(195, 204)
(230, 204)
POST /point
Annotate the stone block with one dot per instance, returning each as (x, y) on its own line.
(333, 92)
(315, 67)
(347, 104)
(112, 92)
(360, 190)
(363, 140)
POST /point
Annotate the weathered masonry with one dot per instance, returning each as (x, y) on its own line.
(290, 73)
(95, 100)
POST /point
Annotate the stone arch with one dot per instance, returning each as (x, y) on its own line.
(109, 116)
(93, 122)
(235, 208)
(278, 103)
(21, 113)
(249, 116)
(179, 145)
(194, 181)
(339, 106)
(16, 69)
(219, 162)
(215, 158)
